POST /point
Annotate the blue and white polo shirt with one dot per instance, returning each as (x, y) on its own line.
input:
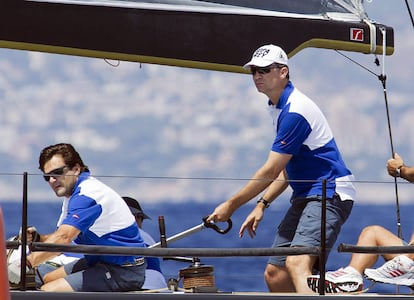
(302, 131)
(103, 218)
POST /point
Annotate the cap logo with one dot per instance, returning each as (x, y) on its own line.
(261, 52)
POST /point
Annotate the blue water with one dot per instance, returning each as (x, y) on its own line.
(231, 274)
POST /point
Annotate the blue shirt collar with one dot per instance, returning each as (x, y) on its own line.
(284, 96)
(82, 176)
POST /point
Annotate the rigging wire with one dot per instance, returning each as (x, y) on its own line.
(409, 12)
(383, 78)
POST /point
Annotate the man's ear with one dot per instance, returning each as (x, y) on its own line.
(284, 71)
(77, 168)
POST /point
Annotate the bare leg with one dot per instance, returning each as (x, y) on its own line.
(373, 236)
(55, 282)
(59, 285)
(411, 255)
(278, 279)
(300, 267)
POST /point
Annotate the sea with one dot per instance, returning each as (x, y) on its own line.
(230, 273)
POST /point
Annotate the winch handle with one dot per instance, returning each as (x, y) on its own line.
(216, 228)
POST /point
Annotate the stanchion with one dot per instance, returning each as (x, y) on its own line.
(4, 281)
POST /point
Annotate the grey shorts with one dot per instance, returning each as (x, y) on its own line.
(42, 270)
(301, 225)
(104, 277)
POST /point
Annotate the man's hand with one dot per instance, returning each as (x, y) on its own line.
(32, 234)
(251, 223)
(222, 213)
(14, 271)
(393, 164)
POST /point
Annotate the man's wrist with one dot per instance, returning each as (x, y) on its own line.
(264, 202)
(398, 171)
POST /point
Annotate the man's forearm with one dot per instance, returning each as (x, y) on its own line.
(64, 235)
(276, 188)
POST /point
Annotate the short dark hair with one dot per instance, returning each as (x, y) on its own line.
(281, 66)
(67, 151)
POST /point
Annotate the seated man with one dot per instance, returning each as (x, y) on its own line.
(92, 214)
(399, 269)
(154, 279)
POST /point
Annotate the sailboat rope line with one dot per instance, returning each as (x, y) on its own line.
(382, 77)
(409, 12)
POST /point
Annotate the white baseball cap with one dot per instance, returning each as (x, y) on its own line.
(267, 55)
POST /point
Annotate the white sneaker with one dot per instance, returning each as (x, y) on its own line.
(343, 280)
(399, 270)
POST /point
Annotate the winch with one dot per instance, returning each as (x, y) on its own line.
(198, 277)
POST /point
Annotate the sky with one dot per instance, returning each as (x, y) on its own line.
(181, 131)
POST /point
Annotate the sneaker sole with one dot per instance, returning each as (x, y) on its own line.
(371, 274)
(331, 287)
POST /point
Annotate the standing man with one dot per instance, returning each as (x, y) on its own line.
(92, 214)
(303, 154)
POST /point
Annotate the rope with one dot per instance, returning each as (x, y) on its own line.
(383, 78)
(409, 12)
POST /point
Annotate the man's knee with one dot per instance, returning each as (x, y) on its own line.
(277, 279)
(270, 270)
(374, 229)
(273, 271)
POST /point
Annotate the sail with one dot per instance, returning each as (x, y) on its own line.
(215, 34)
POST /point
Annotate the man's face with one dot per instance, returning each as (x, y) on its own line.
(63, 182)
(269, 79)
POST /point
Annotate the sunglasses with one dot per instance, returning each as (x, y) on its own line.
(260, 70)
(53, 173)
(263, 70)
